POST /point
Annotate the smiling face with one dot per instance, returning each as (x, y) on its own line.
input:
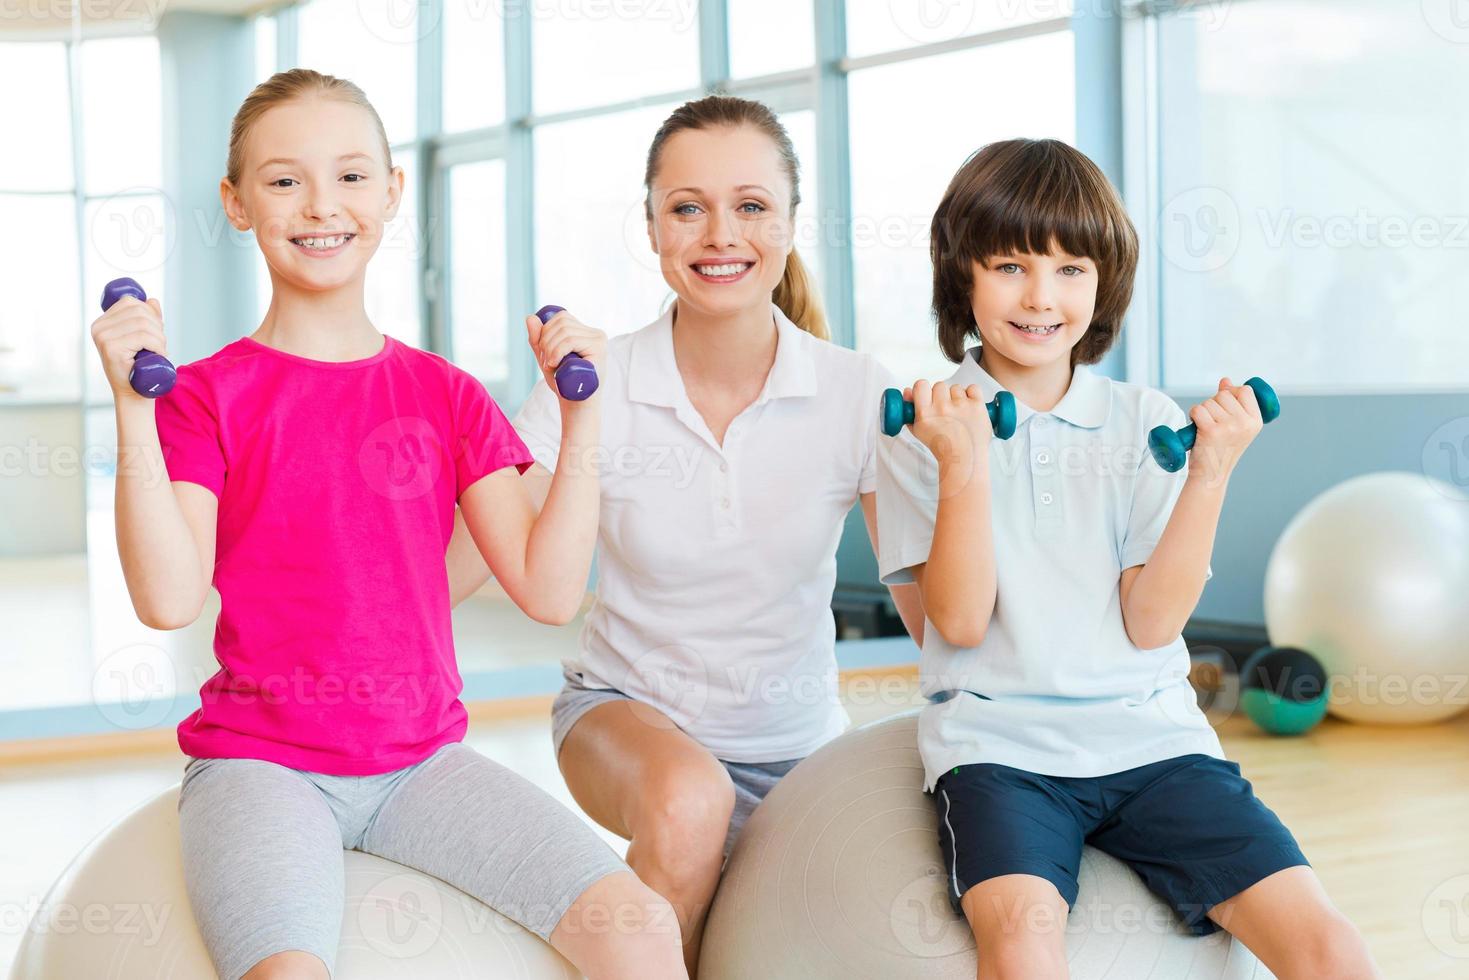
(721, 218)
(316, 189)
(1032, 309)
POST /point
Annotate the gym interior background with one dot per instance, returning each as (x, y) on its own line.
(1294, 168)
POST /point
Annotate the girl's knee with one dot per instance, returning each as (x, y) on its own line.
(291, 964)
(619, 907)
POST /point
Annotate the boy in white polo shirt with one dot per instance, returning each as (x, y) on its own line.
(1057, 570)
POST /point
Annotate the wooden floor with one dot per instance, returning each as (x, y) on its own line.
(1382, 813)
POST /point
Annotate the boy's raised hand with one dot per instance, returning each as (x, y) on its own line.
(1227, 423)
(951, 420)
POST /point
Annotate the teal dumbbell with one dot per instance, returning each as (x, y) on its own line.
(897, 413)
(1171, 448)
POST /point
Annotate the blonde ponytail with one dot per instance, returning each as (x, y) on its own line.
(798, 299)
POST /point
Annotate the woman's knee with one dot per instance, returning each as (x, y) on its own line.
(685, 811)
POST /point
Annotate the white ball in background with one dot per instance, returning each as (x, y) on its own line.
(1372, 578)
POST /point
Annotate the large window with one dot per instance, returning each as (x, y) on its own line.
(900, 127)
(602, 53)
(477, 315)
(373, 44)
(873, 28)
(592, 252)
(80, 230)
(1312, 214)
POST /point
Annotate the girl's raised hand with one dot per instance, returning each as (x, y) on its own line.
(563, 334)
(126, 328)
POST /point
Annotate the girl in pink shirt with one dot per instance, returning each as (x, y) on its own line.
(314, 468)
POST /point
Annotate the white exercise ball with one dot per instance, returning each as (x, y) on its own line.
(120, 912)
(1372, 579)
(838, 874)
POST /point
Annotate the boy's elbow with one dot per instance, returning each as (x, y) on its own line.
(1147, 635)
(961, 631)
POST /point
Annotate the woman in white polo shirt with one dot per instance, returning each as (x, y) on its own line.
(735, 440)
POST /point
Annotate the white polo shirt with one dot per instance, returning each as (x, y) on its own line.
(716, 564)
(1056, 687)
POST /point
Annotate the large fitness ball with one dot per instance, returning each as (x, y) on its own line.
(120, 912)
(1372, 577)
(838, 875)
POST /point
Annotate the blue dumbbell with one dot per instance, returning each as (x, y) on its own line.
(1171, 448)
(576, 377)
(897, 412)
(153, 375)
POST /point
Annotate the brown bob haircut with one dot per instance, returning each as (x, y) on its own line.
(1033, 196)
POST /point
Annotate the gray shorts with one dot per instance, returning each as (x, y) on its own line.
(752, 780)
(263, 845)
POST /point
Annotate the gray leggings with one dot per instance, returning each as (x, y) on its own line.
(263, 845)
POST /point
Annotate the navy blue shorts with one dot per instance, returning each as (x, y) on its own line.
(1191, 827)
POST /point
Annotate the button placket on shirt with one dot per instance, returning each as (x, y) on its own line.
(1045, 475)
(726, 510)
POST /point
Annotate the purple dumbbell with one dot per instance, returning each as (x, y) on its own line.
(576, 377)
(153, 374)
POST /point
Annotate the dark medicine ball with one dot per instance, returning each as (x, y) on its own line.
(1283, 690)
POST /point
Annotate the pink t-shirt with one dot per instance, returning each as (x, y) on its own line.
(336, 486)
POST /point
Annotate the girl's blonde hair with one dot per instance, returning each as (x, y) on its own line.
(287, 86)
(796, 294)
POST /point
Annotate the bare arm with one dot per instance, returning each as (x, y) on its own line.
(957, 585)
(467, 569)
(905, 597)
(165, 531)
(541, 557)
(1158, 597)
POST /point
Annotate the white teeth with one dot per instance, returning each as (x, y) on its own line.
(724, 270)
(1038, 331)
(321, 243)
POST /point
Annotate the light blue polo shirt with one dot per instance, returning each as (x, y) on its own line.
(1056, 687)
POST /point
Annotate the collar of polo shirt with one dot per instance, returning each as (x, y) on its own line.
(1087, 401)
(652, 372)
